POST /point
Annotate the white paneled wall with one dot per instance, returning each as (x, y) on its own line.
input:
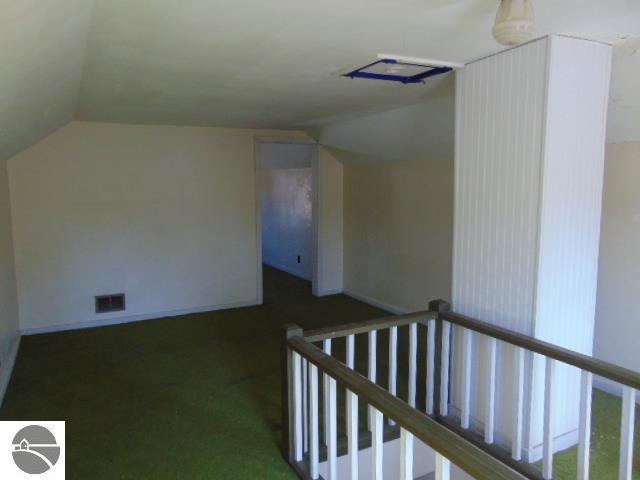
(528, 183)
(570, 214)
(498, 163)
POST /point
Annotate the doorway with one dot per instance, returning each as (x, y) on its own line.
(287, 201)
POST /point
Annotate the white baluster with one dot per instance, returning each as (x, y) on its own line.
(373, 370)
(351, 351)
(305, 406)
(314, 440)
(377, 445)
(297, 407)
(406, 455)
(516, 446)
(326, 348)
(352, 433)
(584, 445)
(489, 423)
(626, 435)
(465, 410)
(443, 468)
(444, 369)
(352, 414)
(393, 362)
(413, 359)
(547, 441)
(332, 445)
(431, 347)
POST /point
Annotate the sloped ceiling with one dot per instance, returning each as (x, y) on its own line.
(42, 48)
(251, 63)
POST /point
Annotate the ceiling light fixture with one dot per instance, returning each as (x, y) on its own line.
(515, 22)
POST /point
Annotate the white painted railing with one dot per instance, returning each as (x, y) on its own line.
(410, 416)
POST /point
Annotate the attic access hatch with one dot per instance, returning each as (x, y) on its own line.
(394, 68)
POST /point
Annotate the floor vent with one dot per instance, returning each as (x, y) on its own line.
(110, 303)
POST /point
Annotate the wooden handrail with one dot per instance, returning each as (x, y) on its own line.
(368, 325)
(584, 362)
(459, 451)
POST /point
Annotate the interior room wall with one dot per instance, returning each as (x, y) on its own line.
(167, 215)
(398, 200)
(617, 312)
(398, 232)
(286, 205)
(330, 179)
(9, 331)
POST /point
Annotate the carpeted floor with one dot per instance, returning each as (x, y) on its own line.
(605, 443)
(198, 396)
(191, 397)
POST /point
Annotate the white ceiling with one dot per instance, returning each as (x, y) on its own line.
(252, 63)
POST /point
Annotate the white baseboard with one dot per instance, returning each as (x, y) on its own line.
(135, 318)
(326, 293)
(286, 269)
(7, 367)
(532, 454)
(561, 442)
(375, 303)
(611, 387)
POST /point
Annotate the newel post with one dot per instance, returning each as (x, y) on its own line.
(287, 397)
(438, 306)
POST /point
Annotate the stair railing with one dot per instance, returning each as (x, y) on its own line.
(302, 416)
(451, 438)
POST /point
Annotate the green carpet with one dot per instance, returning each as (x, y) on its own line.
(198, 396)
(190, 397)
(605, 442)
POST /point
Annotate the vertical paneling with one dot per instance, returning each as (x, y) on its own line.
(570, 215)
(530, 135)
(499, 119)
(498, 162)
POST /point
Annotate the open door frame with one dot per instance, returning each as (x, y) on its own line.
(314, 208)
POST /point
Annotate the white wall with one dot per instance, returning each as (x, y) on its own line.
(397, 173)
(398, 232)
(330, 220)
(286, 202)
(529, 162)
(9, 333)
(166, 215)
(618, 308)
